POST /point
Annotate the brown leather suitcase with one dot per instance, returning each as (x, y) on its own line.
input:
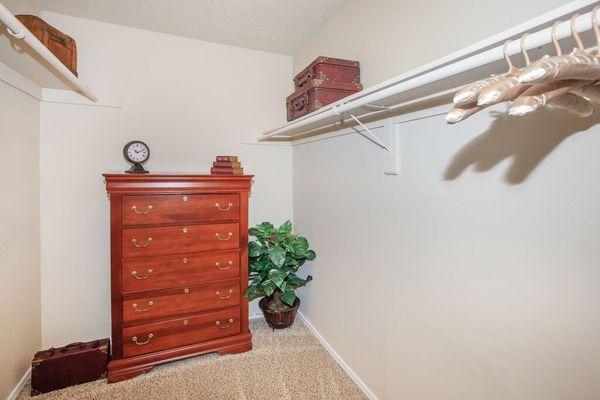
(317, 95)
(333, 71)
(70, 365)
(61, 45)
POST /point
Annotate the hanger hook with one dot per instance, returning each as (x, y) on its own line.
(555, 40)
(574, 32)
(506, 57)
(595, 25)
(524, 50)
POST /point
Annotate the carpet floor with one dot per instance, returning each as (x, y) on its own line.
(288, 364)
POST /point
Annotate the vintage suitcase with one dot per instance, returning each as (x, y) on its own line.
(61, 45)
(317, 95)
(331, 70)
(69, 365)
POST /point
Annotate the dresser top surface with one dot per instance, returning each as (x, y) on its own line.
(146, 177)
(125, 183)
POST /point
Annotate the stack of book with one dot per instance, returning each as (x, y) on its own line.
(227, 165)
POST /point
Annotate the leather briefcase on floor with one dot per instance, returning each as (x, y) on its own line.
(69, 365)
(61, 45)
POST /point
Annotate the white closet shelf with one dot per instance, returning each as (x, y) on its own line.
(442, 77)
(21, 51)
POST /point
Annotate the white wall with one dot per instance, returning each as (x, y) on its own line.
(20, 336)
(190, 101)
(474, 273)
(19, 235)
(389, 37)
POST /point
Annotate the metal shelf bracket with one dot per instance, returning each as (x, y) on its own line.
(366, 132)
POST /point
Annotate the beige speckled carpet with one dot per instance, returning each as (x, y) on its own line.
(289, 364)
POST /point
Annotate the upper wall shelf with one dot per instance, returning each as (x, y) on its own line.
(21, 51)
(441, 77)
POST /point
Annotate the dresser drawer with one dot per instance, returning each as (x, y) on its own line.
(175, 208)
(171, 302)
(142, 339)
(149, 273)
(139, 242)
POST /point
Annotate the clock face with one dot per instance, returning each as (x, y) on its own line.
(137, 152)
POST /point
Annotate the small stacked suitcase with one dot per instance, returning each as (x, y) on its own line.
(325, 81)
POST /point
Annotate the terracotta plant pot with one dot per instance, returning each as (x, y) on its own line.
(279, 319)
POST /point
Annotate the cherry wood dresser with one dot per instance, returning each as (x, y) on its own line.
(179, 268)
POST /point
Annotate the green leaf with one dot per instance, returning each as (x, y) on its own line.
(269, 288)
(260, 266)
(291, 262)
(311, 255)
(284, 287)
(264, 230)
(256, 281)
(299, 247)
(254, 292)
(289, 297)
(285, 228)
(294, 281)
(277, 277)
(255, 232)
(301, 242)
(277, 255)
(256, 249)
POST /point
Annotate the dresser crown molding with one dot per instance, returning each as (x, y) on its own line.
(179, 268)
(175, 183)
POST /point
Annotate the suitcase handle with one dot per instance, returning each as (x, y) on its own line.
(81, 345)
(301, 82)
(298, 104)
(60, 40)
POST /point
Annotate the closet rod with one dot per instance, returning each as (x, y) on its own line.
(534, 40)
(17, 29)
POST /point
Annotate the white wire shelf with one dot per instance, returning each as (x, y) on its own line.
(442, 77)
(22, 52)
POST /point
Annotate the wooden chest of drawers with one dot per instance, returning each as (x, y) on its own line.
(179, 268)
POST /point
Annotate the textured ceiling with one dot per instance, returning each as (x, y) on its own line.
(278, 26)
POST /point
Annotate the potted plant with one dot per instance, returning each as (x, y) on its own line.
(274, 258)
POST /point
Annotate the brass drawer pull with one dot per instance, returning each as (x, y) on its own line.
(224, 297)
(135, 306)
(136, 276)
(218, 265)
(148, 241)
(135, 340)
(218, 206)
(185, 322)
(148, 209)
(185, 198)
(185, 260)
(186, 290)
(229, 236)
(218, 323)
(184, 230)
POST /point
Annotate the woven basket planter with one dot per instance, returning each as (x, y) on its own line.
(277, 319)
